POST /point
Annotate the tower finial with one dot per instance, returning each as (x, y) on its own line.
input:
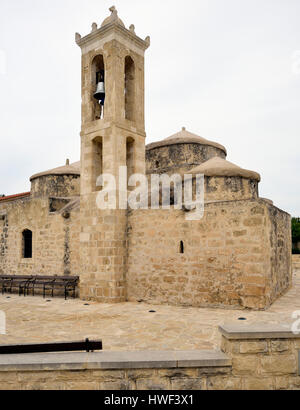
(114, 13)
(113, 10)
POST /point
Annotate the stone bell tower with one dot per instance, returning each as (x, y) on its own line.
(112, 135)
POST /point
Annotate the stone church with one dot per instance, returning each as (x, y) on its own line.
(238, 254)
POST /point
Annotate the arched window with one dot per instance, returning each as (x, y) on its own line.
(181, 250)
(27, 244)
(130, 156)
(97, 166)
(98, 76)
(129, 88)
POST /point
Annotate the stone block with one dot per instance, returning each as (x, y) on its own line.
(187, 384)
(281, 364)
(224, 383)
(153, 384)
(280, 346)
(249, 347)
(282, 383)
(259, 383)
(244, 364)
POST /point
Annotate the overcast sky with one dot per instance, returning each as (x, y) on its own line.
(226, 70)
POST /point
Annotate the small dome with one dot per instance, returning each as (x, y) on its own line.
(218, 167)
(113, 18)
(184, 137)
(71, 169)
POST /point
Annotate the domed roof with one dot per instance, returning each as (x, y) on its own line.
(113, 18)
(68, 169)
(218, 167)
(184, 137)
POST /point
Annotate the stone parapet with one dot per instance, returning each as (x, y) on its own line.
(255, 357)
(264, 356)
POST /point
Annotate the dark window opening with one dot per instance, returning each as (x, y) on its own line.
(27, 244)
(181, 247)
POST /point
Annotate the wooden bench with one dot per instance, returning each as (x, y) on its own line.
(25, 284)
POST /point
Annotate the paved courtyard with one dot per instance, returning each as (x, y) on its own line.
(130, 326)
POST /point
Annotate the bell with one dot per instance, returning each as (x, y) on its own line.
(100, 92)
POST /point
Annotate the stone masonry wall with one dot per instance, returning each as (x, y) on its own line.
(279, 226)
(264, 364)
(229, 188)
(134, 379)
(55, 185)
(226, 260)
(55, 239)
(103, 252)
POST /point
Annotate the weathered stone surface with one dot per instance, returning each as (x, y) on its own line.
(187, 384)
(245, 364)
(282, 364)
(153, 384)
(280, 346)
(224, 383)
(282, 383)
(253, 347)
(258, 383)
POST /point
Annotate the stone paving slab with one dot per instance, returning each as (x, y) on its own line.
(257, 331)
(130, 326)
(114, 360)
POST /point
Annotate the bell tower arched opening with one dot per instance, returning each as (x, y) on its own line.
(130, 156)
(97, 165)
(129, 88)
(98, 87)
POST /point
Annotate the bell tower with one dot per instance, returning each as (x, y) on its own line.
(112, 135)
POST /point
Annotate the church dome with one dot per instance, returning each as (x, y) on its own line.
(113, 18)
(181, 152)
(185, 137)
(218, 167)
(68, 169)
(57, 182)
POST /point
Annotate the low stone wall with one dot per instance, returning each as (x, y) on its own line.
(195, 370)
(260, 357)
(264, 357)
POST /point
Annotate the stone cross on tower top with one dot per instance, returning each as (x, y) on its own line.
(114, 12)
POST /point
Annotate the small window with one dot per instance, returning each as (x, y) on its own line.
(181, 247)
(27, 244)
